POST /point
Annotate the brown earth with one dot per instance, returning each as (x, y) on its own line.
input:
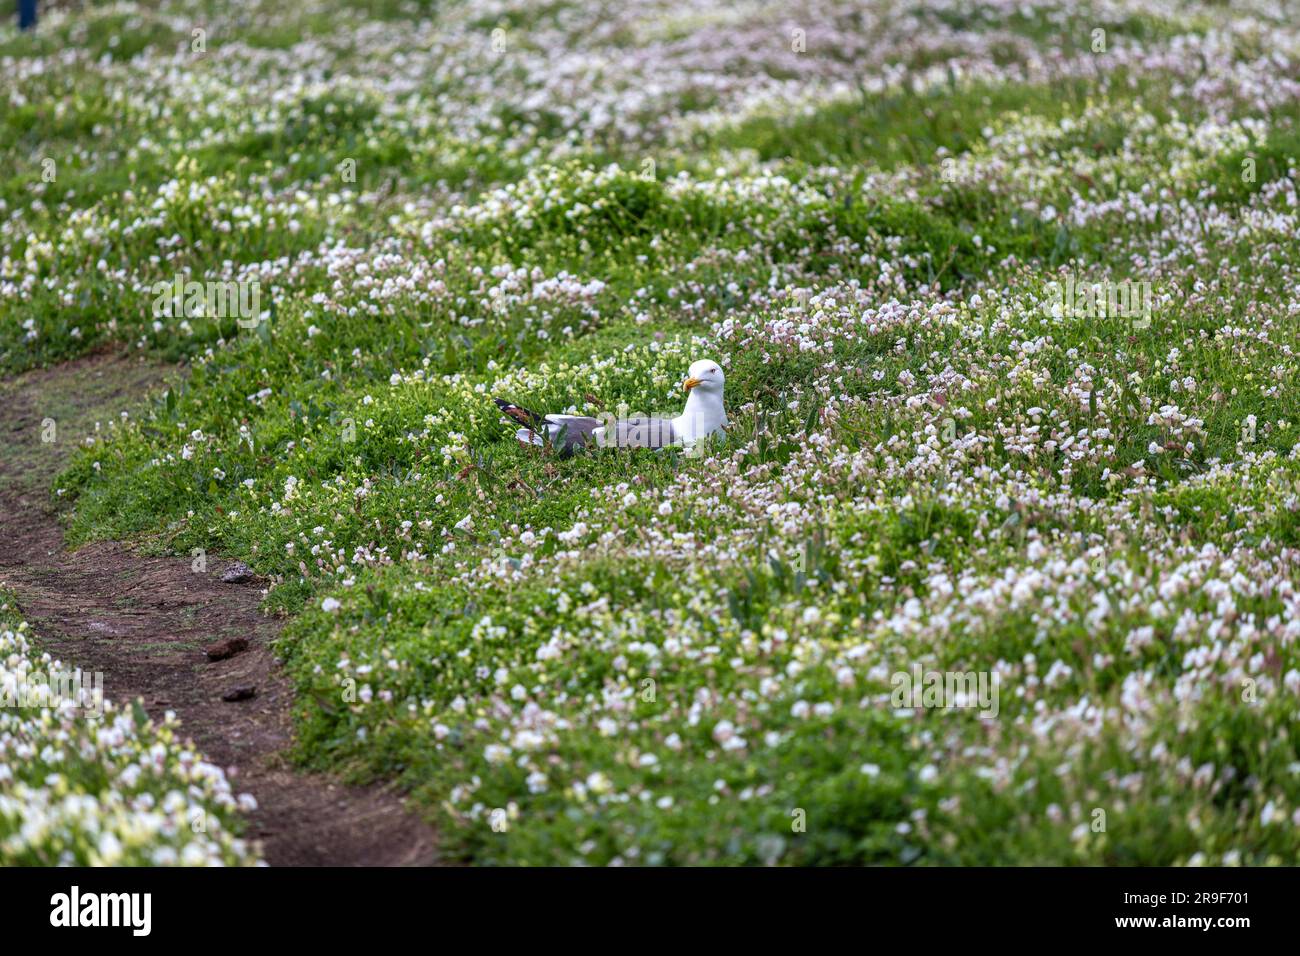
(143, 621)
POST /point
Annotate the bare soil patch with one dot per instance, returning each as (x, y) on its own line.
(144, 621)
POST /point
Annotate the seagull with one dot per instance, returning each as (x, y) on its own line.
(702, 417)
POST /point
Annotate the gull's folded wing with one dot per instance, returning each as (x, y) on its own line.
(571, 432)
(641, 433)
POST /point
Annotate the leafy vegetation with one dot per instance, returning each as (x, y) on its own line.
(933, 461)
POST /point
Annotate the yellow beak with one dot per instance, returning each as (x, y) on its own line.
(690, 383)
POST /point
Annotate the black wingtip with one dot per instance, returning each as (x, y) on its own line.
(523, 416)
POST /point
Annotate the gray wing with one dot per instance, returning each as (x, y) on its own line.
(641, 433)
(571, 432)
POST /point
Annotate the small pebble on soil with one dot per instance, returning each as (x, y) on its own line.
(229, 647)
(237, 573)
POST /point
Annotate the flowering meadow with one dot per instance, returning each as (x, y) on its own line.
(936, 461)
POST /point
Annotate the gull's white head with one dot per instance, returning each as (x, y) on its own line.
(705, 377)
(704, 414)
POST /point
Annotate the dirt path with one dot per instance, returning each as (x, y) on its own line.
(143, 622)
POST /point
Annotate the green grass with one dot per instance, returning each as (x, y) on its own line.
(673, 658)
